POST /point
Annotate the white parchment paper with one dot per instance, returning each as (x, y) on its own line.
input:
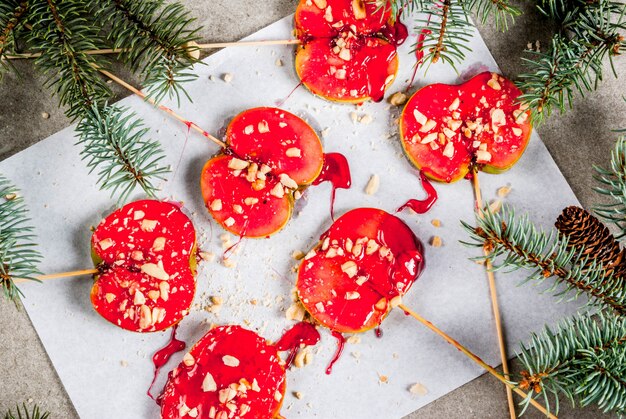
(106, 370)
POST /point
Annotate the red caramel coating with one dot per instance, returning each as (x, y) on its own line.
(288, 146)
(343, 56)
(146, 251)
(362, 262)
(230, 373)
(445, 129)
(250, 189)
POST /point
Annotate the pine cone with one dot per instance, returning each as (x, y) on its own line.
(587, 234)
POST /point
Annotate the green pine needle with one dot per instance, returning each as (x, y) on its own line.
(24, 413)
(115, 145)
(12, 17)
(156, 35)
(583, 359)
(18, 256)
(514, 243)
(613, 184)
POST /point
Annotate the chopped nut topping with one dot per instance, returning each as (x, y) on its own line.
(105, 244)
(255, 386)
(449, 150)
(429, 138)
(248, 129)
(238, 209)
(350, 268)
(278, 191)
(148, 225)
(429, 125)
(138, 215)
(263, 127)
(229, 222)
(448, 132)
(188, 360)
(352, 295)
(109, 297)
(372, 185)
(344, 54)
(278, 396)
(454, 124)
(216, 205)
(340, 74)
(193, 413)
(145, 317)
(328, 14)
(230, 361)
(454, 105)
(494, 84)
(164, 290)
(251, 201)
(319, 306)
(237, 164)
(420, 117)
(258, 184)
(381, 304)
(358, 7)
(154, 271)
(209, 384)
(287, 181)
(159, 244)
(293, 152)
(360, 280)
(395, 301)
(139, 299)
(321, 4)
(483, 156)
(372, 247)
(517, 131)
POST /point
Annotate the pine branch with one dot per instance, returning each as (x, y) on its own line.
(502, 11)
(12, 16)
(514, 243)
(61, 33)
(18, 256)
(613, 184)
(584, 360)
(590, 32)
(114, 144)
(24, 413)
(157, 37)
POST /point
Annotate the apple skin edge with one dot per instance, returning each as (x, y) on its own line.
(483, 96)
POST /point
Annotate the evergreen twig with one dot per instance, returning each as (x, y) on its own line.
(583, 359)
(513, 243)
(613, 184)
(22, 412)
(18, 255)
(155, 38)
(115, 145)
(12, 17)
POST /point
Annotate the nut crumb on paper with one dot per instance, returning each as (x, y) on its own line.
(227, 77)
(436, 222)
(382, 379)
(436, 241)
(418, 389)
(372, 185)
(503, 191)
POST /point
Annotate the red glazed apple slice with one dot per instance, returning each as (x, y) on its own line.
(277, 153)
(230, 373)
(343, 56)
(363, 262)
(446, 129)
(146, 253)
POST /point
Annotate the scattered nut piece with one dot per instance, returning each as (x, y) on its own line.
(207, 256)
(10, 196)
(45, 115)
(298, 395)
(503, 191)
(398, 99)
(436, 241)
(279, 63)
(372, 185)
(383, 379)
(436, 222)
(227, 77)
(419, 389)
(366, 119)
(295, 312)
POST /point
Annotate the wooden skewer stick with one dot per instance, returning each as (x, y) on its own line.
(494, 301)
(163, 108)
(92, 271)
(474, 358)
(215, 45)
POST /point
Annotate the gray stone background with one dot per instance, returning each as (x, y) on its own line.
(581, 138)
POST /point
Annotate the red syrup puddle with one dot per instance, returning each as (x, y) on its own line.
(336, 171)
(341, 342)
(302, 333)
(163, 355)
(422, 207)
(281, 102)
(378, 332)
(395, 33)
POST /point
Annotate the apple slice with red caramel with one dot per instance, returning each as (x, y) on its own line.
(145, 252)
(363, 264)
(251, 187)
(446, 130)
(344, 55)
(230, 372)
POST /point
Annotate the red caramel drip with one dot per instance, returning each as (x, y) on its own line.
(396, 32)
(341, 343)
(423, 206)
(336, 170)
(378, 332)
(281, 102)
(163, 355)
(302, 333)
(230, 370)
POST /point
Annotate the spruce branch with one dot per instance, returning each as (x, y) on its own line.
(513, 243)
(12, 16)
(590, 32)
(155, 38)
(18, 255)
(115, 145)
(613, 184)
(583, 359)
(61, 33)
(502, 11)
(24, 413)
